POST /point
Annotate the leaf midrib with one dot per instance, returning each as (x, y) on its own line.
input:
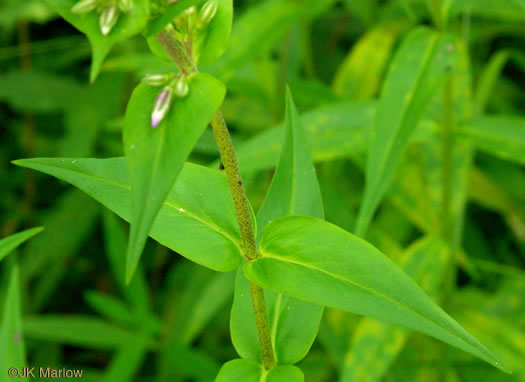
(267, 254)
(212, 225)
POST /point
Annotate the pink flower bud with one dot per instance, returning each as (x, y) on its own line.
(162, 105)
(108, 19)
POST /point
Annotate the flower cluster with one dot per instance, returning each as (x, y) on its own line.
(109, 11)
(174, 86)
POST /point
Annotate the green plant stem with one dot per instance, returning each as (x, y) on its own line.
(176, 52)
(447, 146)
(249, 245)
(240, 200)
(447, 219)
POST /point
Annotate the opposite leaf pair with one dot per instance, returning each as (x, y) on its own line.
(302, 257)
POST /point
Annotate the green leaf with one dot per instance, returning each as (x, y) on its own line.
(489, 77)
(12, 349)
(499, 135)
(8, 244)
(127, 25)
(250, 371)
(216, 36)
(360, 74)
(294, 190)
(126, 363)
(332, 131)
(109, 306)
(313, 260)
(197, 219)
(375, 345)
(256, 32)
(155, 156)
(39, 91)
(82, 331)
(185, 363)
(415, 74)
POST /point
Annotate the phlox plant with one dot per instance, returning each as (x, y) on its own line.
(291, 265)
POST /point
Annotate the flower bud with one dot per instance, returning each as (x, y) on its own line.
(181, 87)
(184, 20)
(162, 105)
(108, 19)
(125, 5)
(156, 79)
(207, 13)
(84, 6)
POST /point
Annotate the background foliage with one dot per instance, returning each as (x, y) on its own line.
(172, 323)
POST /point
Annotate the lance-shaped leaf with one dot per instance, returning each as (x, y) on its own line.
(197, 219)
(375, 344)
(499, 135)
(415, 74)
(8, 244)
(250, 371)
(216, 35)
(294, 191)
(313, 260)
(12, 349)
(82, 331)
(128, 24)
(155, 155)
(359, 76)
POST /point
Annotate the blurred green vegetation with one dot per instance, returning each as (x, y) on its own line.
(172, 322)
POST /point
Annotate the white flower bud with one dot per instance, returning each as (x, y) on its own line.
(162, 105)
(84, 6)
(181, 87)
(108, 19)
(207, 13)
(156, 79)
(125, 5)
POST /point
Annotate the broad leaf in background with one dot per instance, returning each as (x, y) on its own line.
(332, 131)
(417, 71)
(360, 74)
(8, 244)
(376, 344)
(216, 35)
(313, 260)
(12, 349)
(39, 91)
(127, 25)
(294, 190)
(197, 219)
(155, 156)
(250, 371)
(506, 10)
(500, 135)
(260, 28)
